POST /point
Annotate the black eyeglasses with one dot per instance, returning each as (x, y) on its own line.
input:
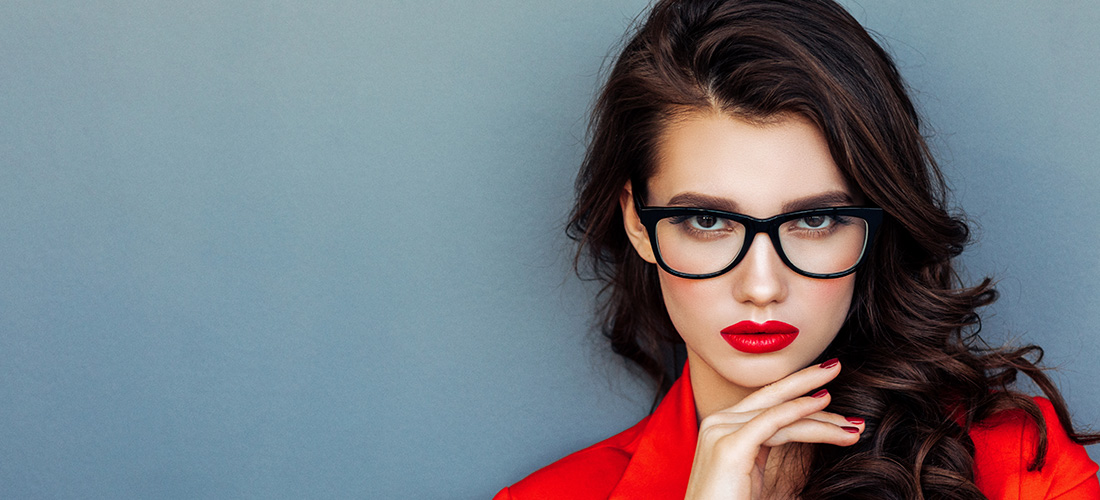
(700, 243)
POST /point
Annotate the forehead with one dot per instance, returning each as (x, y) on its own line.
(759, 167)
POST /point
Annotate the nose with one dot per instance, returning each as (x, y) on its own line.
(761, 277)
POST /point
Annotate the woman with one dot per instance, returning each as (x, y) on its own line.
(757, 195)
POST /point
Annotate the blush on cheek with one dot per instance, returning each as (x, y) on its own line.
(836, 293)
(836, 289)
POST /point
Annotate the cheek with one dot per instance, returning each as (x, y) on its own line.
(836, 292)
(829, 300)
(683, 293)
(691, 304)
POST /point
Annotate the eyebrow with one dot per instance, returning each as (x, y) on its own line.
(821, 200)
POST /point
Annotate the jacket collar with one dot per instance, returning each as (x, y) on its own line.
(661, 463)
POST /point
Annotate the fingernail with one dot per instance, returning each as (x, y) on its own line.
(820, 394)
(854, 420)
(830, 363)
(852, 430)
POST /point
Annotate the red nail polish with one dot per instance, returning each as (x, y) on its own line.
(821, 393)
(854, 420)
(852, 430)
(830, 363)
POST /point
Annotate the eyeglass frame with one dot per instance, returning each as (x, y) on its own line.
(650, 216)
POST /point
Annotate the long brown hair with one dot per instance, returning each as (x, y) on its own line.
(915, 365)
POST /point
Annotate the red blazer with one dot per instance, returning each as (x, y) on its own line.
(652, 459)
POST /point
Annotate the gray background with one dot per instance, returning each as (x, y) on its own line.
(314, 250)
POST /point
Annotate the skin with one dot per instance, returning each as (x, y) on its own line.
(750, 405)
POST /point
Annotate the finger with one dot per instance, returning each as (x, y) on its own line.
(813, 431)
(723, 423)
(790, 387)
(731, 425)
(734, 417)
(816, 427)
(837, 420)
(747, 439)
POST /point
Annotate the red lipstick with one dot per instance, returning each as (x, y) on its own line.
(756, 338)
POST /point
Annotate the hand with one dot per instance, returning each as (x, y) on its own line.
(734, 443)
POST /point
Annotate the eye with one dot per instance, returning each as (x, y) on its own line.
(705, 222)
(815, 222)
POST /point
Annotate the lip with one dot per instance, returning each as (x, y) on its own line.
(756, 338)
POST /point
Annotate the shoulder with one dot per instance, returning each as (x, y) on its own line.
(1005, 447)
(589, 473)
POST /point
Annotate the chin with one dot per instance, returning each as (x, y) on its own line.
(761, 379)
(757, 372)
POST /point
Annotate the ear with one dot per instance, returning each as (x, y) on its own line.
(637, 233)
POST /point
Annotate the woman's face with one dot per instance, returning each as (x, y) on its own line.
(760, 171)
